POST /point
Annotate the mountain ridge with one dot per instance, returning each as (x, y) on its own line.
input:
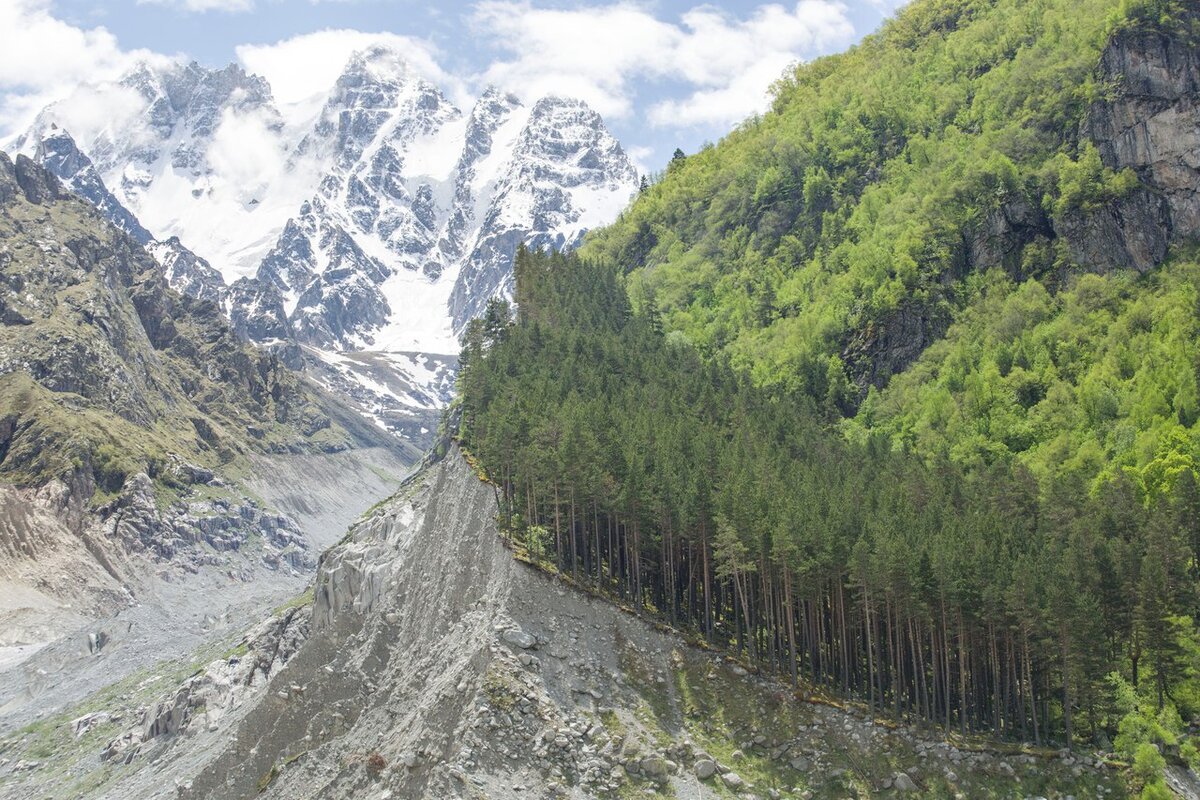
(382, 223)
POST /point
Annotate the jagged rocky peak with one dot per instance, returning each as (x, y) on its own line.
(383, 222)
(187, 272)
(162, 103)
(195, 95)
(567, 142)
(378, 89)
(491, 110)
(567, 173)
(58, 153)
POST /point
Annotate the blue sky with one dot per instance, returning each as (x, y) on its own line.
(664, 74)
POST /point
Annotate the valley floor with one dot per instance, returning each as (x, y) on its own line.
(167, 614)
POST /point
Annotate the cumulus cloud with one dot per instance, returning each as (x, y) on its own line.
(29, 79)
(306, 65)
(705, 68)
(100, 112)
(600, 53)
(640, 155)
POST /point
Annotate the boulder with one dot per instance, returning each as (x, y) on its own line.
(655, 768)
(85, 723)
(704, 769)
(519, 638)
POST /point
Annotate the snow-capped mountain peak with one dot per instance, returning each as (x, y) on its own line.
(380, 219)
(377, 93)
(59, 153)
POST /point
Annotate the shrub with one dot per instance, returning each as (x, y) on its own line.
(1148, 764)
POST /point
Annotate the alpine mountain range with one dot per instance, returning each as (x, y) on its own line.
(355, 232)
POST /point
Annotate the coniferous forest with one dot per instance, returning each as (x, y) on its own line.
(973, 600)
(998, 533)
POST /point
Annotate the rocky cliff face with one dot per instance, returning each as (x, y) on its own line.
(432, 664)
(186, 272)
(59, 154)
(1149, 121)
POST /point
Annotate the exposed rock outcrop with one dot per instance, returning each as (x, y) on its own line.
(186, 272)
(193, 534)
(1149, 120)
(1129, 233)
(886, 346)
(59, 154)
(205, 700)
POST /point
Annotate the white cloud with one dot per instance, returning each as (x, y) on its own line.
(100, 112)
(304, 66)
(200, 6)
(711, 68)
(246, 152)
(601, 53)
(640, 155)
(28, 33)
(42, 58)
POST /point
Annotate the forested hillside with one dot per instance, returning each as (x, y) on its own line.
(970, 147)
(1091, 382)
(895, 387)
(973, 599)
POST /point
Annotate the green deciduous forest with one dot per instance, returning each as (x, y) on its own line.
(1090, 382)
(992, 525)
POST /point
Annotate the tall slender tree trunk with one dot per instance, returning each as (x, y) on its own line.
(558, 548)
(962, 674)
(1065, 644)
(870, 650)
(791, 624)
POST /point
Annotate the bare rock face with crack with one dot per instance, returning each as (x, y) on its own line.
(204, 700)
(1149, 119)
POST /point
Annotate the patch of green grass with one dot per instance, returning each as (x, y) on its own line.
(305, 598)
(67, 765)
(268, 778)
(613, 724)
(636, 789)
(500, 689)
